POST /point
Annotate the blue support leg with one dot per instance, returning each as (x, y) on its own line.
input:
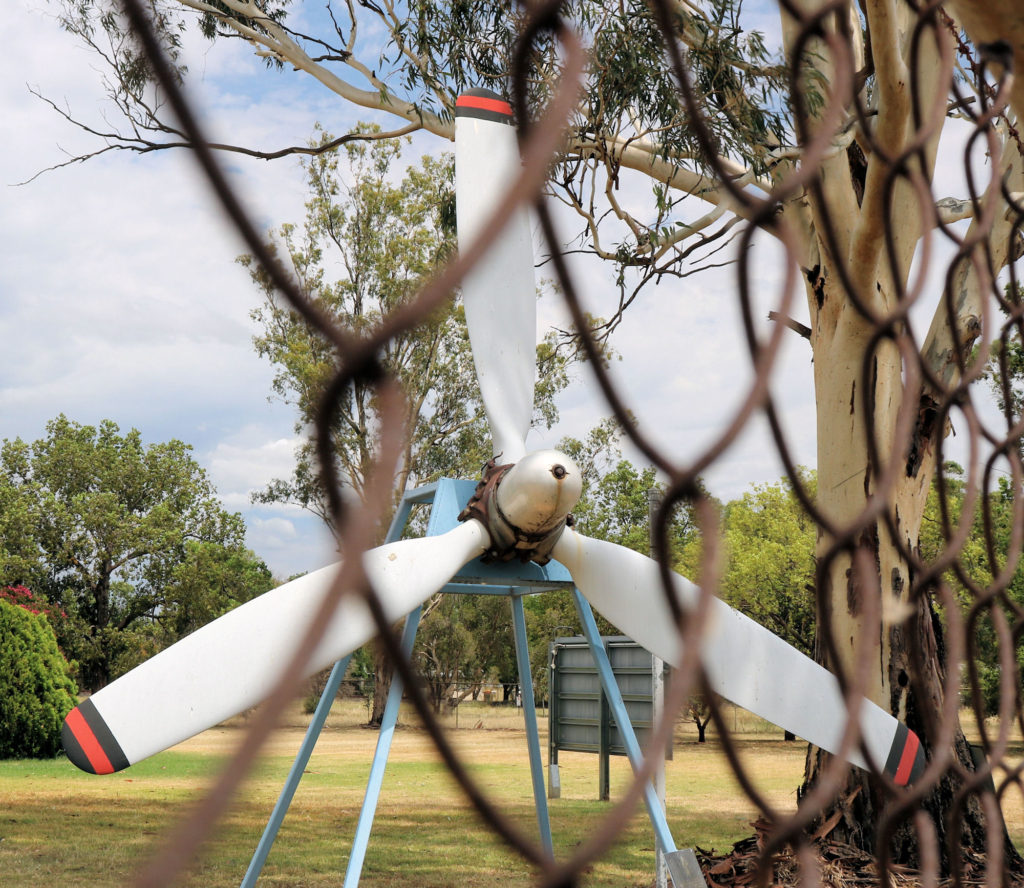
(618, 707)
(682, 865)
(380, 760)
(530, 713)
(316, 725)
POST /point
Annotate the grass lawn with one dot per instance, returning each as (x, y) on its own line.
(61, 827)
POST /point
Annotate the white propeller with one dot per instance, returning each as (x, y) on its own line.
(499, 295)
(743, 661)
(232, 663)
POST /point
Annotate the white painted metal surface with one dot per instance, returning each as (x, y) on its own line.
(499, 294)
(235, 661)
(540, 490)
(744, 662)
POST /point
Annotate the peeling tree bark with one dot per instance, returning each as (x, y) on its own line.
(883, 627)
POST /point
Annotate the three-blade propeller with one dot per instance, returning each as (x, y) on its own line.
(233, 662)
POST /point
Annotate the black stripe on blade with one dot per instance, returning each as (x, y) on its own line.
(483, 104)
(920, 763)
(906, 761)
(892, 763)
(88, 741)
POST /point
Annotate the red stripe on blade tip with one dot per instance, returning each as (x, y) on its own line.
(498, 106)
(907, 759)
(90, 745)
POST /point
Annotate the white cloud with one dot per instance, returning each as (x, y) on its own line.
(247, 461)
(289, 545)
(119, 295)
(280, 531)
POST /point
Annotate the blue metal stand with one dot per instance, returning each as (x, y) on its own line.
(682, 865)
(618, 707)
(515, 580)
(316, 725)
(530, 713)
(380, 760)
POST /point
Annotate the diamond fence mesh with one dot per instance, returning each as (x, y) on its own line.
(867, 241)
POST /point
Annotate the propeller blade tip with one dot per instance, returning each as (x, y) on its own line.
(88, 742)
(906, 761)
(483, 104)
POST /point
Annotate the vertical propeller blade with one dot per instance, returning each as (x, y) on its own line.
(235, 661)
(499, 294)
(744, 662)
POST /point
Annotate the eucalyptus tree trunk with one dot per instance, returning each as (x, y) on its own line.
(383, 673)
(885, 632)
(877, 624)
(883, 623)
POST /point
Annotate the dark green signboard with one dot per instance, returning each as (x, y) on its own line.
(580, 719)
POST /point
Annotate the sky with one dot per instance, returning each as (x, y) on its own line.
(120, 297)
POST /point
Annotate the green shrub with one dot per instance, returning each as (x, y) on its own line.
(36, 688)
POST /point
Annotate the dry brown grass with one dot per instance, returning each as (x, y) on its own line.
(61, 827)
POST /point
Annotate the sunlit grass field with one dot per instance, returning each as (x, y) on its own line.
(62, 827)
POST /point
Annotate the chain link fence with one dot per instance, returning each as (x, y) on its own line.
(900, 388)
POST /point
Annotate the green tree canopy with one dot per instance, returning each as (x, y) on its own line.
(117, 532)
(980, 558)
(36, 688)
(367, 244)
(769, 573)
(446, 650)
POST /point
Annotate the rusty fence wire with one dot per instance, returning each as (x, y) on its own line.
(929, 608)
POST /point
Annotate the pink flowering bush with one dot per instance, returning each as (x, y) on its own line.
(22, 596)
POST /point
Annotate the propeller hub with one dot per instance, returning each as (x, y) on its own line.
(537, 493)
(525, 506)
